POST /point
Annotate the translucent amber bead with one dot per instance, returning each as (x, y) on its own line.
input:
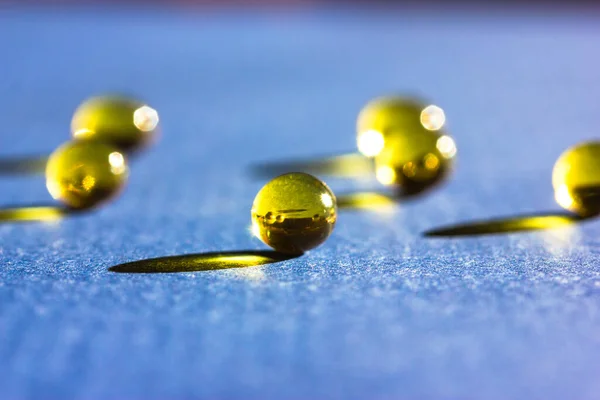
(84, 174)
(415, 159)
(384, 118)
(123, 122)
(294, 213)
(576, 179)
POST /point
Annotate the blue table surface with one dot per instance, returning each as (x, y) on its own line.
(379, 311)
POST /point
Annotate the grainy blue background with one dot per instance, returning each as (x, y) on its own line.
(379, 311)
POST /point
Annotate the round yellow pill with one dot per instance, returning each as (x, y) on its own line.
(123, 122)
(415, 159)
(384, 118)
(294, 213)
(84, 174)
(576, 179)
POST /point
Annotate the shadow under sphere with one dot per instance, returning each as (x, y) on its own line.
(203, 262)
(512, 224)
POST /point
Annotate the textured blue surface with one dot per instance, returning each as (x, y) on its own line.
(379, 311)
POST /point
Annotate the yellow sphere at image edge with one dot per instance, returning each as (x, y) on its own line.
(84, 174)
(124, 122)
(576, 179)
(294, 213)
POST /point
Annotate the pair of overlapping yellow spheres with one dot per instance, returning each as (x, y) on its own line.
(92, 167)
(295, 212)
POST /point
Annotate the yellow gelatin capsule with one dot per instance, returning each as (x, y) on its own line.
(125, 123)
(415, 159)
(576, 179)
(294, 213)
(84, 174)
(384, 118)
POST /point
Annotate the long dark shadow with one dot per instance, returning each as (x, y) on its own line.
(34, 165)
(203, 262)
(345, 165)
(511, 224)
(376, 200)
(365, 200)
(26, 165)
(33, 213)
(373, 200)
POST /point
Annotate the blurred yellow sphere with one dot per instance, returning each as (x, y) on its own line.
(84, 174)
(123, 122)
(382, 119)
(294, 213)
(576, 179)
(415, 159)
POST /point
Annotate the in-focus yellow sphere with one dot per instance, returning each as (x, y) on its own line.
(123, 122)
(294, 213)
(84, 174)
(415, 159)
(384, 118)
(576, 179)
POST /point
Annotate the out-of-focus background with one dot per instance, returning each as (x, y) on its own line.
(380, 310)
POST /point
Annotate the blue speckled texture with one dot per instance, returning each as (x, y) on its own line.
(379, 311)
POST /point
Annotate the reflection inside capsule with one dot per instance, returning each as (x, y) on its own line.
(433, 118)
(370, 143)
(145, 118)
